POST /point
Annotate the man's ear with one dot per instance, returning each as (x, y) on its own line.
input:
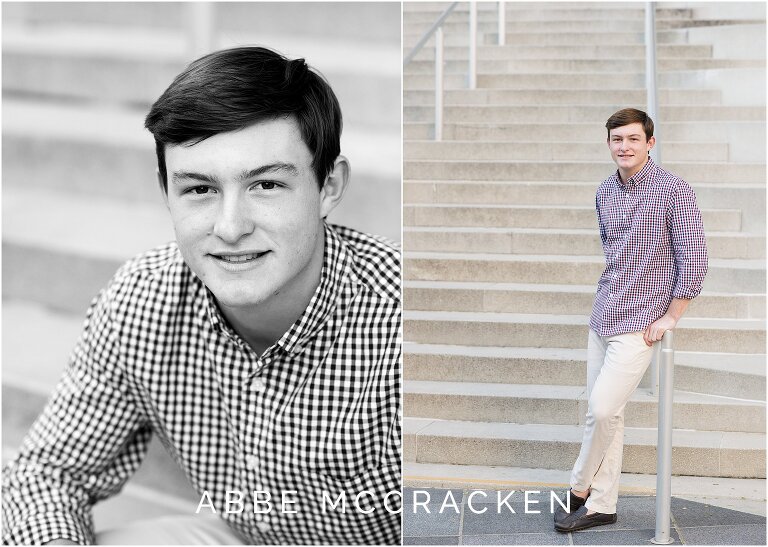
(335, 186)
(651, 144)
(163, 189)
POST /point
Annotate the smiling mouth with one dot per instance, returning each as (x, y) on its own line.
(243, 258)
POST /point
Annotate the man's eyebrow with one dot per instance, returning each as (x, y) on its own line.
(180, 176)
(290, 168)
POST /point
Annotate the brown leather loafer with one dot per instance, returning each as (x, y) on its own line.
(576, 502)
(580, 520)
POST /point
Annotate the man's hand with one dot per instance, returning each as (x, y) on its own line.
(655, 331)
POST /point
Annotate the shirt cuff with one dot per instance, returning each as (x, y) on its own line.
(686, 293)
(44, 527)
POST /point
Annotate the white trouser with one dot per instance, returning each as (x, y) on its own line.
(615, 366)
(172, 530)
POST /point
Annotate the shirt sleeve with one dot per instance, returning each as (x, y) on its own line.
(688, 243)
(600, 225)
(88, 441)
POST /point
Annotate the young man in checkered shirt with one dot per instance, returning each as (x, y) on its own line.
(656, 260)
(262, 347)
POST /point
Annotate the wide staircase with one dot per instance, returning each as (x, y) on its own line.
(502, 253)
(79, 190)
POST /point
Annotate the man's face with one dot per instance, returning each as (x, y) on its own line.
(247, 212)
(629, 148)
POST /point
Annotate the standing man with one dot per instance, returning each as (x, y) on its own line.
(262, 346)
(656, 259)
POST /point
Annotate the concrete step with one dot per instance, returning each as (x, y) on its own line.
(710, 453)
(376, 23)
(739, 375)
(555, 299)
(559, 80)
(629, 51)
(567, 405)
(724, 275)
(570, 331)
(551, 151)
(568, 113)
(549, 241)
(479, 170)
(105, 152)
(749, 198)
(547, 66)
(535, 216)
(134, 66)
(666, 97)
(523, 11)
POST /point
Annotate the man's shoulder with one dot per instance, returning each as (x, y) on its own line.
(153, 270)
(375, 260)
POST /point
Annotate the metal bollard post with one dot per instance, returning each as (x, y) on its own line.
(472, 78)
(502, 23)
(439, 84)
(664, 444)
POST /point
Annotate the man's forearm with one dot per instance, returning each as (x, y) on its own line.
(677, 308)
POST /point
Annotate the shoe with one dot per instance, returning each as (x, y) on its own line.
(576, 502)
(579, 520)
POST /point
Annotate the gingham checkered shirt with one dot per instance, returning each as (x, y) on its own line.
(654, 246)
(317, 412)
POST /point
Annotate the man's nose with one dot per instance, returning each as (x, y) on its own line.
(234, 219)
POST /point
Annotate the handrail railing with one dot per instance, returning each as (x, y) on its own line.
(427, 35)
(650, 75)
(664, 444)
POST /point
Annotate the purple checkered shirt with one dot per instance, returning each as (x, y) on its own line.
(654, 246)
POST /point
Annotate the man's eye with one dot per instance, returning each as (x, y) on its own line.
(267, 185)
(199, 190)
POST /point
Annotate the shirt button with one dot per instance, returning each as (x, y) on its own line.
(262, 526)
(258, 385)
(251, 461)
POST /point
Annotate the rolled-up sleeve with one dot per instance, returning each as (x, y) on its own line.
(88, 441)
(688, 243)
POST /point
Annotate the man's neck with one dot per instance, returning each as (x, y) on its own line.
(625, 176)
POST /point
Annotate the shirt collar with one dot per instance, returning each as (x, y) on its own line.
(337, 284)
(638, 178)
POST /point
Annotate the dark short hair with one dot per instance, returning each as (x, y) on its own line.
(231, 89)
(627, 116)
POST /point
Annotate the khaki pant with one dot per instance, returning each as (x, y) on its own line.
(172, 530)
(615, 366)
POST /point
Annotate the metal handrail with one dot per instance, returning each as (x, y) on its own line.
(664, 443)
(427, 35)
(650, 75)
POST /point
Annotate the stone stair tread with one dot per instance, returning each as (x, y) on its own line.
(552, 319)
(742, 363)
(576, 183)
(552, 231)
(164, 45)
(106, 227)
(27, 363)
(524, 287)
(540, 391)
(741, 263)
(573, 434)
(100, 123)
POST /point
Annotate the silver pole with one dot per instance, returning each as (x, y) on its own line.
(439, 84)
(472, 45)
(664, 445)
(201, 28)
(650, 75)
(502, 24)
(655, 370)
